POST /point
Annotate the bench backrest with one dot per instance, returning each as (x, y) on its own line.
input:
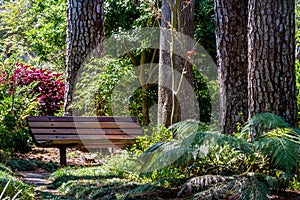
(90, 132)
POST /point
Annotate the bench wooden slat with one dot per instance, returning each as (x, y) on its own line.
(78, 125)
(78, 142)
(83, 137)
(104, 146)
(81, 119)
(42, 131)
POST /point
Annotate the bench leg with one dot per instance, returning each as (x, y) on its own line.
(63, 156)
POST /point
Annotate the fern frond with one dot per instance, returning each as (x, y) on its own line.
(284, 153)
(193, 146)
(198, 183)
(290, 134)
(187, 127)
(262, 123)
(255, 189)
(161, 156)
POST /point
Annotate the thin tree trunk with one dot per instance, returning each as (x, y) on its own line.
(176, 15)
(231, 41)
(85, 30)
(271, 39)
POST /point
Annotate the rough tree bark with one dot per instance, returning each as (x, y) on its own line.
(231, 41)
(271, 75)
(176, 15)
(85, 30)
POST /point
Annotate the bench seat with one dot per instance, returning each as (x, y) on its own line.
(83, 132)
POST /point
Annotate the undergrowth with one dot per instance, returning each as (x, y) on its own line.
(195, 164)
(12, 187)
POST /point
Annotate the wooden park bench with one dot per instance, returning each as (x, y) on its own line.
(83, 132)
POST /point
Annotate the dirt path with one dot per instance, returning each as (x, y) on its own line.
(39, 180)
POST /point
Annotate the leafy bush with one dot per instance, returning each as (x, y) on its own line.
(158, 134)
(49, 88)
(25, 91)
(41, 84)
(34, 29)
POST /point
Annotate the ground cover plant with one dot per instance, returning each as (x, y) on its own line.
(12, 188)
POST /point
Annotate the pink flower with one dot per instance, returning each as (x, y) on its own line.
(190, 53)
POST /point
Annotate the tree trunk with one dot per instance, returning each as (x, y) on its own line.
(176, 15)
(271, 40)
(231, 39)
(85, 30)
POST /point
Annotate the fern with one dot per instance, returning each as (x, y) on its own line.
(255, 189)
(162, 156)
(275, 147)
(284, 153)
(190, 148)
(185, 128)
(261, 124)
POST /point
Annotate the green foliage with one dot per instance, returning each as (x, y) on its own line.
(204, 26)
(121, 15)
(263, 123)
(121, 164)
(249, 169)
(157, 135)
(34, 28)
(15, 140)
(284, 153)
(28, 165)
(16, 103)
(94, 94)
(12, 187)
(109, 181)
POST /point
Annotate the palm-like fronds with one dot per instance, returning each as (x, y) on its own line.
(276, 147)
(190, 148)
(185, 128)
(261, 124)
(160, 157)
(256, 189)
(284, 153)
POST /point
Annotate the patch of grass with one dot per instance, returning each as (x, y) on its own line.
(104, 188)
(63, 175)
(29, 165)
(113, 180)
(14, 187)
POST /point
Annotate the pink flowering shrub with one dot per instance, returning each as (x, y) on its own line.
(49, 87)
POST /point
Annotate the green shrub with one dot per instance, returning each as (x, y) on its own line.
(35, 30)
(157, 134)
